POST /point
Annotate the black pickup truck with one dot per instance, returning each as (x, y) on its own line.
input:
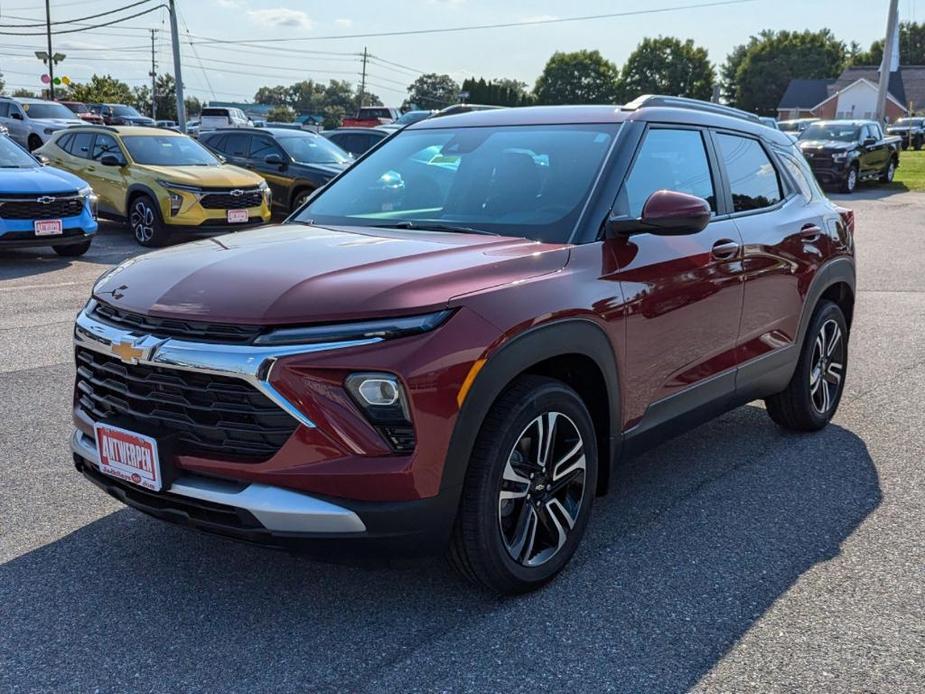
(845, 152)
(910, 130)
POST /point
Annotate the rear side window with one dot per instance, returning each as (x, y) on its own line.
(64, 141)
(237, 145)
(80, 145)
(668, 160)
(753, 179)
(4, 109)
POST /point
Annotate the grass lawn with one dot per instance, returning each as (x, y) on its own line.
(911, 172)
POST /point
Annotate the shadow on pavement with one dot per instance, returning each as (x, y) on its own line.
(699, 539)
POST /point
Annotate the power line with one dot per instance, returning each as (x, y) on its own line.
(87, 28)
(75, 20)
(477, 27)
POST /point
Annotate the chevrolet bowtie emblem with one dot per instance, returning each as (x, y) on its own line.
(236, 193)
(127, 352)
(45, 199)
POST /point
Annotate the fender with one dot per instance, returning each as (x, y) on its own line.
(569, 336)
(141, 188)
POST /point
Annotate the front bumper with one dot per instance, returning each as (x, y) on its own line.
(193, 216)
(18, 233)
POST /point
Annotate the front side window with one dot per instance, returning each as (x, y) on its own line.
(104, 145)
(262, 147)
(313, 149)
(753, 179)
(529, 181)
(80, 145)
(668, 160)
(168, 150)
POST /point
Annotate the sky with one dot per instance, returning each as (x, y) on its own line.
(294, 37)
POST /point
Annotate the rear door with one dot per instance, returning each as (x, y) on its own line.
(237, 148)
(684, 292)
(276, 175)
(782, 219)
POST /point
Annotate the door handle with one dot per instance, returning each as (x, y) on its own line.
(725, 249)
(810, 232)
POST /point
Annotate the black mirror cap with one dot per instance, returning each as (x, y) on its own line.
(273, 159)
(870, 141)
(111, 160)
(666, 213)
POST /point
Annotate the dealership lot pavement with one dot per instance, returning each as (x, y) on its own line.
(736, 558)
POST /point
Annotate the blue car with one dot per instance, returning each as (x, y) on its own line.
(43, 206)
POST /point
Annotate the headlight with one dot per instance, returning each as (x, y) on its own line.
(176, 202)
(265, 189)
(91, 198)
(170, 185)
(385, 329)
(50, 131)
(839, 156)
(381, 398)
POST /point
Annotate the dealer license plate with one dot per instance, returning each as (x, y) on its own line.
(49, 227)
(237, 216)
(128, 456)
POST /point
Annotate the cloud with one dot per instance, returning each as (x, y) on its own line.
(540, 18)
(281, 17)
(346, 23)
(230, 4)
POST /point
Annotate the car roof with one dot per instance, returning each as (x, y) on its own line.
(122, 130)
(349, 129)
(257, 131)
(851, 121)
(716, 116)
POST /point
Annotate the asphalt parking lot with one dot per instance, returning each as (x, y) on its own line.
(736, 558)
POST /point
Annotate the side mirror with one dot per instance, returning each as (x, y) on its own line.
(870, 141)
(273, 159)
(667, 213)
(16, 116)
(43, 160)
(111, 160)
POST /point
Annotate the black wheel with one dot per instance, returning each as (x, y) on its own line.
(72, 250)
(918, 143)
(300, 198)
(850, 181)
(812, 397)
(889, 171)
(144, 218)
(34, 142)
(529, 488)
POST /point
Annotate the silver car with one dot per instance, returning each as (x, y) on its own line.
(32, 121)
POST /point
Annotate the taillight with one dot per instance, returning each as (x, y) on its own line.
(847, 218)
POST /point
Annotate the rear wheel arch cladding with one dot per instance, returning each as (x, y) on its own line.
(517, 356)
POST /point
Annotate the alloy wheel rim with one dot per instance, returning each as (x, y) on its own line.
(890, 172)
(142, 221)
(542, 488)
(828, 366)
(852, 179)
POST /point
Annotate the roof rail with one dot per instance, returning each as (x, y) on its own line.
(650, 100)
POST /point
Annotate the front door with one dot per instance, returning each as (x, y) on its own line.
(683, 293)
(275, 175)
(108, 181)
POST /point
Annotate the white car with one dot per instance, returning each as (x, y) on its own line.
(31, 122)
(216, 117)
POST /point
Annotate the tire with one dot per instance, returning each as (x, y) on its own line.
(850, 183)
(507, 492)
(144, 218)
(72, 250)
(34, 142)
(889, 172)
(917, 145)
(811, 398)
(299, 199)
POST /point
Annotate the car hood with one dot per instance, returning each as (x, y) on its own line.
(299, 274)
(826, 144)
(224, 176)
(58, 122)
(39, 180)
(327, 170)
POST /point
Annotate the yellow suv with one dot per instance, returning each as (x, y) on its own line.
(160, 181)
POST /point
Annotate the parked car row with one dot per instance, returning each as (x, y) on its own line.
(845, 152)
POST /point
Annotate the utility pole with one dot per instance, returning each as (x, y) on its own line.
(177, 75)
(363, 79)
(889, 46)
(153, 78)
(51, 62)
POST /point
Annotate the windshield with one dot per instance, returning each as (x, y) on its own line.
(529, 181)
(313, 149)
(412, 117)
(842, 132)
(12, 156)
(125, 111)
(48, 110)
(167, 150)
(78, 108)
(791, 126)
(909, 121)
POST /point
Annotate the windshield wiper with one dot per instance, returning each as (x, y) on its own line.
(431, 226)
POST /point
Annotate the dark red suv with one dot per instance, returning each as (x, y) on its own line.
(451, 344)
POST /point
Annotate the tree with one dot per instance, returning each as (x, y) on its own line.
(727, 73)
(281, 114)
(667, 65)
(498, 92)
(433, 91)
(773, 58)
(101, 89)
(272, 96)
(24, 93)
(911, 47)
(581, 77)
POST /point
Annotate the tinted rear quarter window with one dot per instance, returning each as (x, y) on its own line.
(237, 145)
(753, 180)
(80, 145)
(668, 160)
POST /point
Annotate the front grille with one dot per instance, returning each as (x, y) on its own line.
(210, 416)
(30, 235)
(227, 201)
(57, 208)
(196, 331)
